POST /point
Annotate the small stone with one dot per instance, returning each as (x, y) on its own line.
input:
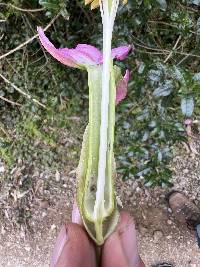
(3, 231)
(22, 234)
(129, 193)
(72, 172)
(44, 204)
(169, 222)
(157, 235)
(36, 174)
(119, 202)
(169, 210)
(2, 169)
(44, 214)
(138, 190)
(53, 226)
(185, 171)
(57, 176)
(134, 185)
(143, 230)
(28, 249)
(169, 237)
(147, 193)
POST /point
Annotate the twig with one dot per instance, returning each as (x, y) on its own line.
(9, 101)
(163, 51)
(30, 39)
(191, 143)
(187, 7)
(149, 52)
(183, 59)
(83, 10)
(22, 92)
(22, 9)
(26, 10)
(174, 47)
(4, 131)
(167, 24)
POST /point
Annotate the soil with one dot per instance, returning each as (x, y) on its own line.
(49, 201)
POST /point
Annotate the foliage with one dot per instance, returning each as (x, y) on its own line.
(164, 88)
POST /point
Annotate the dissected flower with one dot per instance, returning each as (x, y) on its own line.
(107, 87)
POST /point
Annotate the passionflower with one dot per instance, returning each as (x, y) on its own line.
(107, 87)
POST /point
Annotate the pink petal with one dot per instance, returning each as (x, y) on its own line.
(61, 55)
(82, 56)
(121, 88)
(91, 51)
(121, 52)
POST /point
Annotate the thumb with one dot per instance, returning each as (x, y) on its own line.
(73, 248)
(123, 244)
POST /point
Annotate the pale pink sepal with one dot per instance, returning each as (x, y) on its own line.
(91, 51)
(121, 88)
(61, 55)
(83, 55)
(121, 52)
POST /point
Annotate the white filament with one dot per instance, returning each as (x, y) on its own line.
(108, 18)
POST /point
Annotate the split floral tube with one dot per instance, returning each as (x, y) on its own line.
(107, 87)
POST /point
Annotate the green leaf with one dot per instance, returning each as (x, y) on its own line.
(163, 4)
(194, 2)
(198, 26)
(187, 106)
(154, 75)
(197, 77)
(164, 89)
(48, 4)
(149, 183)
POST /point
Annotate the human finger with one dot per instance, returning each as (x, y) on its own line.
(123, 244)
(73, 248)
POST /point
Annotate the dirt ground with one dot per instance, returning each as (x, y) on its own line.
(161, 238)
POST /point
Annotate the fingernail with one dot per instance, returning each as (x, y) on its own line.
(76, 218)
(61, 240)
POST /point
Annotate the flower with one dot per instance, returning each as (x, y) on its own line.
(85, 55)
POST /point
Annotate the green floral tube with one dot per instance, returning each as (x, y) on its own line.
(100, 226)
